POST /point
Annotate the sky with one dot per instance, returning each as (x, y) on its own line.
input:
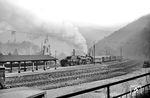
(98, 12)
(62, 20)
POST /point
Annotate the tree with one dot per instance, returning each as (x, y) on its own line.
(1, 53)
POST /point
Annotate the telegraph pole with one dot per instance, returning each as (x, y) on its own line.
(55, 61)
(106, 52)
(55, 53)
(94, 52)
(121, 52)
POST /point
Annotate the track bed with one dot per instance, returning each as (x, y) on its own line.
(74, 76)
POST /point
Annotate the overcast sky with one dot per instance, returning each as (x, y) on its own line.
(62, 20)
(99, 12)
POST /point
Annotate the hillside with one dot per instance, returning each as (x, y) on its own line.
(22, 48)
(133, 39)
(92, 33)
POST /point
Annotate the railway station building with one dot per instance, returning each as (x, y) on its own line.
(23, 61)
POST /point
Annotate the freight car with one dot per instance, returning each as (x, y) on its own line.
(110, 58)
(146, 64)
(107, 58)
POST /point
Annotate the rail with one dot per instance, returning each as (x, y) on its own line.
(108, 88)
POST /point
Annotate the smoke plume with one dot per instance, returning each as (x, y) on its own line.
(23, 21)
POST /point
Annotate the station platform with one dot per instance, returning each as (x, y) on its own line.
(58, 69)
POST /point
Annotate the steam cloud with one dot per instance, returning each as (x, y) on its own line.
(25, 22)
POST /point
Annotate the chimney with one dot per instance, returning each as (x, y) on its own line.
(74, 52)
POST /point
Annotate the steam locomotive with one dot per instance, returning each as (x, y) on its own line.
(76, 60)
(81, 60)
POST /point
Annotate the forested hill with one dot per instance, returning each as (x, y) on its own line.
(134, 39)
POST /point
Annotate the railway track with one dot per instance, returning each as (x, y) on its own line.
(74, 77)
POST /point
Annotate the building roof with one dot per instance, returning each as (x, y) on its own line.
(15, 58)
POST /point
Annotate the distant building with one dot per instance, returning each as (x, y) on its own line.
(15, 52)
(46, 49)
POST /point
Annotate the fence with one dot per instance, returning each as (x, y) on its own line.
(108, 88)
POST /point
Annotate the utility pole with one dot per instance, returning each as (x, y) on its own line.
(55, 53)
(121, 52)
(106, 52)
(55, 58)
(94, 52)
